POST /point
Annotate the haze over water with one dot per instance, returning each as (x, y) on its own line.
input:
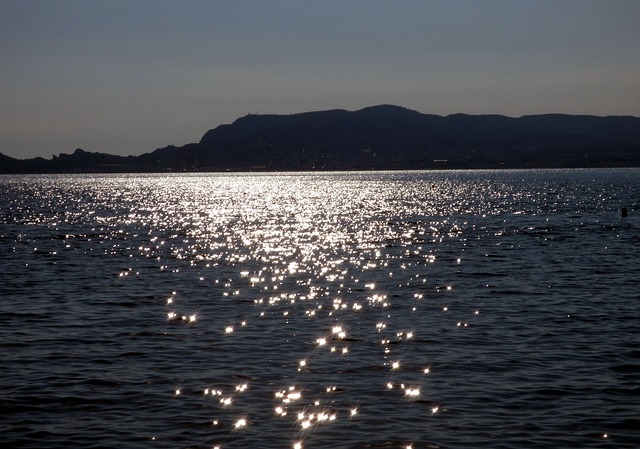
(315, 310)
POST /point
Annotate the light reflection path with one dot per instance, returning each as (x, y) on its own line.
(306, 279)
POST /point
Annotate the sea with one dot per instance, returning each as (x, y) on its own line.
(345, 310)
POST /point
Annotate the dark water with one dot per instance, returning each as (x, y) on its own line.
(335, 310)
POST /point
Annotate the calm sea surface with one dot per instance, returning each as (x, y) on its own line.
(456, 309)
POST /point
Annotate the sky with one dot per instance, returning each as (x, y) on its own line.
(127, 77)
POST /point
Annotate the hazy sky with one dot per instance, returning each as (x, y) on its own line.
(126, 77)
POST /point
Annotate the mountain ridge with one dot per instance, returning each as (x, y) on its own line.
(378, 137)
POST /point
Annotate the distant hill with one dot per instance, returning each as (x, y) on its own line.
(379, 137)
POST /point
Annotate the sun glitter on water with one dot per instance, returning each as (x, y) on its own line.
(314, 307)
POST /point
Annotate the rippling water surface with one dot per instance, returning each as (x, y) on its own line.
(335, 310)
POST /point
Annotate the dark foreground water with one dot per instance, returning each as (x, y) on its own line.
(338, 310)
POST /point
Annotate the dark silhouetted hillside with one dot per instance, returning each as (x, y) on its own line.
(379, 137)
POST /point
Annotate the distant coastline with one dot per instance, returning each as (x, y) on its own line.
(381, 137)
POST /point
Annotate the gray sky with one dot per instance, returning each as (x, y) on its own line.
(126, 77)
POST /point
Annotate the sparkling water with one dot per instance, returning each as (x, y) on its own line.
(321, 310)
